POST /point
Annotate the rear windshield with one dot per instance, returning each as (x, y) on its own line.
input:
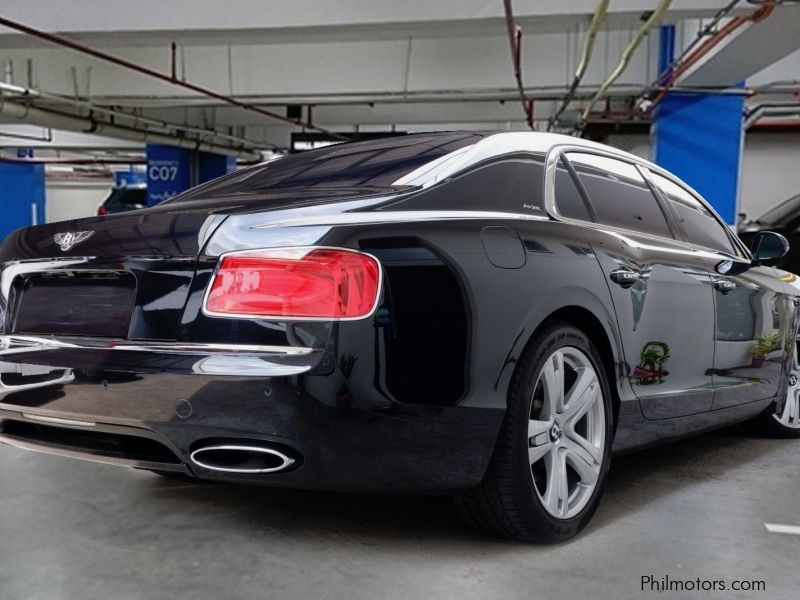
(371, 164)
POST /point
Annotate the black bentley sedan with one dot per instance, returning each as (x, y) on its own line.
(491, 315)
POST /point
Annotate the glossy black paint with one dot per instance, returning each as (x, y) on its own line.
(412, 397)
(769, 247)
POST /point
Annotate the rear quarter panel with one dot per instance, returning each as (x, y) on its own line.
(502, 306)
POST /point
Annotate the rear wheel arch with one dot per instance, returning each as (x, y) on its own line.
(510, 500)
(585, 320)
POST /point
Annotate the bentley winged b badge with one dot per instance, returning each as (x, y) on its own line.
(68, 239)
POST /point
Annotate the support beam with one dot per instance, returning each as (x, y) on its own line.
(753, 48)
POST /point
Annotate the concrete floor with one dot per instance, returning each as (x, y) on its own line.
(71, 529)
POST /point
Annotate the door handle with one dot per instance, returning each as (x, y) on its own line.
(724, 286)
(624, 277)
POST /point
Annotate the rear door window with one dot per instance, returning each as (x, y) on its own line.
(619, 194)
(699, 223)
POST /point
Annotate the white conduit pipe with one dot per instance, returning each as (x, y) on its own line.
(651, 22)
(597, 20)
(47, 118)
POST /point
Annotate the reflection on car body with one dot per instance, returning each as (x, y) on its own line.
(413, 314)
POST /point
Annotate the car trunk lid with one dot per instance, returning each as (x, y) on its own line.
(124, 276)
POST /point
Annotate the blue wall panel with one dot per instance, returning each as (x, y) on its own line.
(211, 166)
(699, 138)
(22, 196)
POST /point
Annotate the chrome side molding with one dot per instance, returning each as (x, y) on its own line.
(22, 344)
(240, 360)
(59, 420)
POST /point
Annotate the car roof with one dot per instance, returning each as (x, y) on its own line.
(498, 144)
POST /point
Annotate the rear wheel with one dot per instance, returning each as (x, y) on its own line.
(782, 419)
(552, 456)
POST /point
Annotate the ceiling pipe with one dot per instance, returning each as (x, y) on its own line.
(515, 41)
(708, 29)
(121, 62)
(552, 93)
(57, 120)
(728, 29)
(74, 161)
(594, 26)
(627, 54)
(770, 109)
(164, 126)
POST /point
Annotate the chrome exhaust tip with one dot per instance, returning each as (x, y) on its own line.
(246, 459)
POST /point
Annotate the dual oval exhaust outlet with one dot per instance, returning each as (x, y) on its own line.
(246, 459)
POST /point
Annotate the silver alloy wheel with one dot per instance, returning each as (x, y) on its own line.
(566, 432)
(790, 415)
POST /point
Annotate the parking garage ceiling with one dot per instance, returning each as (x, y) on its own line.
(413, 65)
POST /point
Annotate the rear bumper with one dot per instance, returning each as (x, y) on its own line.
(148, 356)
(340, 439)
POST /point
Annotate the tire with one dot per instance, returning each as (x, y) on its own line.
(518, 498)
(782, 419)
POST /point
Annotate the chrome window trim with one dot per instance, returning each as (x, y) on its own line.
(551, 161)
(389, 216)
(694, 194)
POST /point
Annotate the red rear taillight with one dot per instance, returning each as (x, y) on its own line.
(295, 283)
(102, 211)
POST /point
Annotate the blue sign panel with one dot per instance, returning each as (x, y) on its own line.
(21, 196)
(169, 172)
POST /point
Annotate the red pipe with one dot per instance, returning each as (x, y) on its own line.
(74, 161)
(515, 40)
(62, 41)
(735, 23)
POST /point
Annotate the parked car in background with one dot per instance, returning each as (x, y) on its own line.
(132, 196)
(486, 314)
(784, 219)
